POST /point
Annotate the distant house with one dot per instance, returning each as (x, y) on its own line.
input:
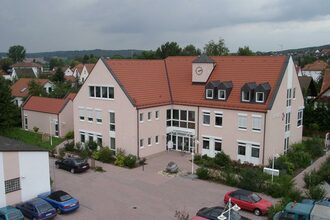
(307, 86)
(87, 69)
(26, 70)
(20, 89)
(324, 95)
(314, 69)
(67, 71)
(77, 70)
(24, 171)
(51, 116)
(5, 74)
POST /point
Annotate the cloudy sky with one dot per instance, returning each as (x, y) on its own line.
(49, 25)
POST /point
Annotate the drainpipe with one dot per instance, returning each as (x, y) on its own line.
(197, 124)
(138, 133)
(263, 150)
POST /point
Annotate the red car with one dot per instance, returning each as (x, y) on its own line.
(249, 201)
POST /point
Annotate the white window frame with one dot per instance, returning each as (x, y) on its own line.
(141, 117)
(294, 93)
(218, 114)
(255, 127)
(156, 139)
(286, 144)
(113, 148)
(82, 112)
(218, 140)
(141, 143)
(112, 123)
(149, 141)
(157, 115)
(224, 94)
(207, 94)
(206, 113)
(89, 115)
(107, 87)
(300, 118)
(243, 98)
(99, 136)
(288, 97)
(98, 116)
(149, 116)
(243, 117)
(26, 122)
(241, 144)
(255, 146)
(206, 139)
(263, 97)
(287, 121)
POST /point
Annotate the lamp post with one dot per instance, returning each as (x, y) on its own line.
(192, 156)
(235, 208)
(50, 131)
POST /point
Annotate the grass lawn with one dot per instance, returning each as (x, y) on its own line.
(29, 137)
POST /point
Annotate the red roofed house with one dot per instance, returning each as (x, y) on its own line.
(20, 89)
(85, 71)
(26, 70)
(324, 95)
(314, 69)
(50, 115)
(248, 107)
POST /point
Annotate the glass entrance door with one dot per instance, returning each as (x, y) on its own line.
(180, 143)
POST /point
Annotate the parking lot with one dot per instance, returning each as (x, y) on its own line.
(121, 193)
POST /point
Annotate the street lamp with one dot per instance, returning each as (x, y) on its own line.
(236, 208)
(193, 155)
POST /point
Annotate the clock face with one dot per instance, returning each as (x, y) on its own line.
(199, 70)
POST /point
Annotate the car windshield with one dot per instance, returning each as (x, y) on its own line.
(44, 208)
(14, 215)
(65, 198)
(255, 197)
(79, 161)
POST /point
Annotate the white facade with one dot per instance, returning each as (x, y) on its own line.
(2, 183)
(314, 74)
(68, 72)
(84, 74)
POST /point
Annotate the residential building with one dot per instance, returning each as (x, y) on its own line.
(314, 69)
(77, 70)
(24, 171)
(324, 96)
(51, 116)
(250, 108)
(87, 68)
(67, 71)
(307, 86)
(26, 70)
(20, 89)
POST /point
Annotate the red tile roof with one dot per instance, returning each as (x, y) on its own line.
(26, 65)
(44, 104)
(71, 96)
(89, 67)
(70, 78)
(318, 65)
(79, 67)
(146, 82)
(20, 87)
(326, 81)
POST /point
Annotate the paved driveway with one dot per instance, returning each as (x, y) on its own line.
(121, 193)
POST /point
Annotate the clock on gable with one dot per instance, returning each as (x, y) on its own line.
(199, 70)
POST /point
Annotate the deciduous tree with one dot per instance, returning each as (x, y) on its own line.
(35, 89)
(216, 49)
(245, 51)
(16, 53)
(191, 50)
(168, 49)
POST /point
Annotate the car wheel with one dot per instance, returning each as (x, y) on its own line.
(58, 211)
(72, 170)
(57, 166)
(257, 212)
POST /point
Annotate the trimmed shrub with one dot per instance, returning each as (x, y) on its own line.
(91, 145)
(280, 187)
(120, 158)
(316, 193)
(106, 155)
(222, 159)
(252, 179)
(203, 173)
(312, 179)
(282, 163)
(130, 161)
(69, 135)
(229, 177)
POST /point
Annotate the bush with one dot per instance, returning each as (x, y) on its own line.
(203, 173)
(84, 153)
(299, 158)
(61, 152)
(120, 158)
(181, 215)
(229, 177)
(222, 159)
(252, 179)
(282, 163)
(106, 155)
(35, 129)
(314, 147)
(281, 186)
(316, 193)
(312, 179)
(99, 169)
(130, 161)
(69, 135)
(324, 171)
(276, 208)
(91, 145)
(69, 146)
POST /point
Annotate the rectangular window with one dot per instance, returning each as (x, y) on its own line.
(286, 144)
(99, 140)
(82, 114)
(294, 93)
(149, 116)
(141, 143)
(256, 123)
(242, 122)
(92, 91)
(156, 140)
(149, 141)
(241, 148)
(175, 121)
(246, 96)
(89, 115)
(255, 150)
(112, 143)
(288, 97)
(191, 116)
(217, 144)
(98, 91)
(82, 137)
(112, 121)
(221, 94)
(141, 117)
(56, 128)
(287, 121)
(300, 117)
(206, 118)
(260, 97)
(209, 93)
(12, 185)
(111, 93)
(206, 143)
(218, 119)
(169, 117)
(183, 119)
(157, 114)
(25, 122)
(98, 116)
(105, 92)
(90, 137)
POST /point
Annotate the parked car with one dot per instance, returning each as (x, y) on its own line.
(10, 213)
(248, 200)
(72, 164)
(213, 213)
(61, 201)
(37, 209)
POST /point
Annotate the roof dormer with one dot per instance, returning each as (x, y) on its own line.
(224, 90)
(202, 68)
(261, 92)
(247, 92)
(211, 89)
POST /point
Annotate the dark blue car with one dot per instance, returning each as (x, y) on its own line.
(61, 201)
(37, 209)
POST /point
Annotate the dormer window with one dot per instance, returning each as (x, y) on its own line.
(246, 96)
(260, 97)
(209, 93)
(222, 94)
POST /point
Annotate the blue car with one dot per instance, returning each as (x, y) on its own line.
(61, 201)
(37, 209)
(10, 213)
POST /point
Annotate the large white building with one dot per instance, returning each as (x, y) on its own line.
(24, 171)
